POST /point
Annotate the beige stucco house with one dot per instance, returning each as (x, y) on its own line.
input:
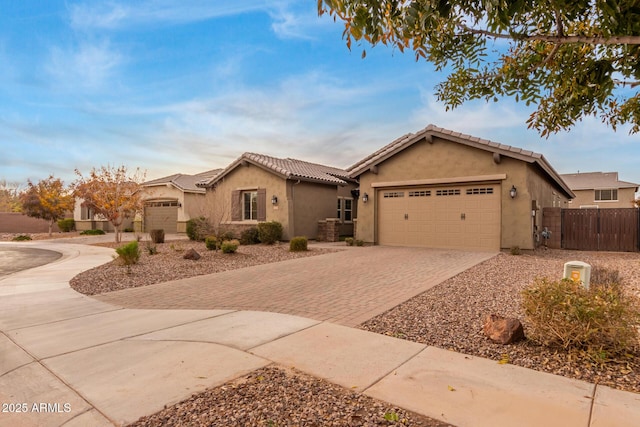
(298, 194)
(443, 189)
(170, 201)
(600, 190)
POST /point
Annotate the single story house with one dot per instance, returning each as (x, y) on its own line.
(443, 189)
(170, 201)
(298, 194)
(600, 190)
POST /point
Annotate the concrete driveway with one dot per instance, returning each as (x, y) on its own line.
(347, 287)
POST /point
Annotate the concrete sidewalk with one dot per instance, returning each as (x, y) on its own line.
(70, 360)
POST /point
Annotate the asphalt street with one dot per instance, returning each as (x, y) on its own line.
(16, 259)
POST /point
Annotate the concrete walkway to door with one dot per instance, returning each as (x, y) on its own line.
(346, 287)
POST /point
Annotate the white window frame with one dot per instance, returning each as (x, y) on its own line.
(597, 197)
(253, 209)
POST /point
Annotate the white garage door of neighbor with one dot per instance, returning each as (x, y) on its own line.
(161, 215)
(454, 217)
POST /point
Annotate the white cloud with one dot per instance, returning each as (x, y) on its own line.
(291, 22)
(116, 15)
(89, 66)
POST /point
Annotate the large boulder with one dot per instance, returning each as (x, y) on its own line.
(192, 254)
(503, 330)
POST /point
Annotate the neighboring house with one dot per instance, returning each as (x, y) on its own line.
(600, 190)
(298, 194)
(171, 201)
(443, 189)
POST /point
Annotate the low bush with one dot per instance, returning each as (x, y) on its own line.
(298, 244)
(349, 241)
(92, 232)
(249, 236)
(129, 254)
(229, 246)
(151, 248)
(602, 320)
(198, 229)
(359, 242)
(128, 230)
(270, 232)
(157, 235)
(212, 243)
(21, 238)
(515, 250)
(66, 225)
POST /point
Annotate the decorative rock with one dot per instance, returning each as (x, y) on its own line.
(192, 254)
(503, 330)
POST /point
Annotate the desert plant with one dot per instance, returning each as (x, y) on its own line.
(66, 225)
(151, 248)
(270, 232)
(157, 235)
(602, 320)
(349, 241)
(129, 254)
(212, 243)
(515, 250)
(359, 242)
(92, 232)
(249, 236)
(298, 244)
(199, 228)
(21, 238)
(229, 246)
(128, 230)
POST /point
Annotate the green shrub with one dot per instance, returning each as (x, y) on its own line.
(515, 250)
(359, 242)
(129, 254)
(198, 229)
(157, 236)
(349, 241)
(225, 235)
(66, 225)
(249, 236)
(128, 230)
(270, 232)
(21, 238)
(298, 244)
(212, 243)
(229, 246)
(601, 320)
(92, 232)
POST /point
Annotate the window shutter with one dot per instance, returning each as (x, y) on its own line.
(236, 205)
(262, 204)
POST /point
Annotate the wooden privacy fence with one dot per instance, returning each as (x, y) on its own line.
(601, 229)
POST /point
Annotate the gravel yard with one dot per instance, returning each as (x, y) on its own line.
(451, 314)
(276, 396)
(168, 264)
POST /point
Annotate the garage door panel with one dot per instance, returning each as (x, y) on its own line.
(157, 216)
(456, 217)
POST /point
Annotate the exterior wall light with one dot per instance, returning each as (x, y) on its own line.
(365, 198)
(274, 200)
(513, 192)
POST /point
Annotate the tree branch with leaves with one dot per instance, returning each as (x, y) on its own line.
(49, 199)
(112, 193)
(572, 59)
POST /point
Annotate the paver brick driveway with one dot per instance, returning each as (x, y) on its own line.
(346, 287)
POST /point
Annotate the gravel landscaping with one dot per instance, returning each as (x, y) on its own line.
(451, 315)
(168, 264)
(276, 396)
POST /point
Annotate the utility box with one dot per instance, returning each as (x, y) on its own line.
(578, 271)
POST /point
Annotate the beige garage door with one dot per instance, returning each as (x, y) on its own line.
(454, 217)
(161, 215)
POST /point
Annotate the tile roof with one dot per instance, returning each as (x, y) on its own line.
(185, 182)
(289, 169)
(430, 131)
(594, 180)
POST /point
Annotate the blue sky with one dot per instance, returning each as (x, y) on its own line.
(187, 86)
